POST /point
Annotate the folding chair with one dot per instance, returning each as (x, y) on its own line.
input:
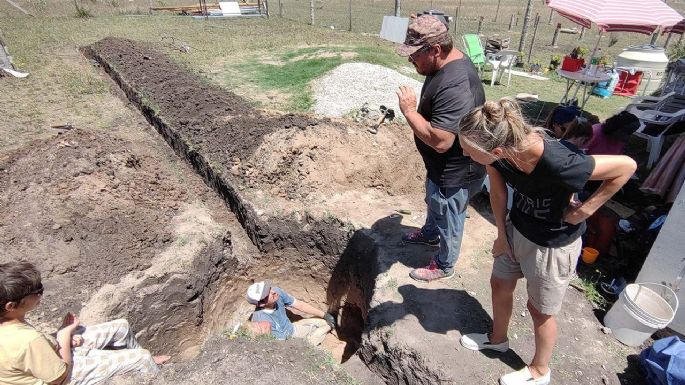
(501, 61)
(474, 50)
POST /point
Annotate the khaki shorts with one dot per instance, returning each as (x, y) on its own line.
(548, 270)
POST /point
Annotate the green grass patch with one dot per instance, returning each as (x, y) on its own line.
(589, 288)
(297, 68)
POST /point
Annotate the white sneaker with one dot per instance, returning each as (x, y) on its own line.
(478, 341)
(523, 377)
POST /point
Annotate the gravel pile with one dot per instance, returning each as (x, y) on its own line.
(350, 85)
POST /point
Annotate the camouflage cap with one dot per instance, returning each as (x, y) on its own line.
(424, 30)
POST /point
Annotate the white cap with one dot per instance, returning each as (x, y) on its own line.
(258, 291)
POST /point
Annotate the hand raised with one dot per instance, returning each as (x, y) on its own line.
(406, 98)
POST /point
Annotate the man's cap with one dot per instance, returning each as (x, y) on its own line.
(424, 30)
(258, 291)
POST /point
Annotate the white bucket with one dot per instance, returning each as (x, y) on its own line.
(641, 309)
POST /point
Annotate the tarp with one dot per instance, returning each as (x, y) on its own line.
(664, 362)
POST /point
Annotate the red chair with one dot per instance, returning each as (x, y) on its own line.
(627, 82)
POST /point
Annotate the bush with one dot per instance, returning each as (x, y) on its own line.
(676, 51)
(82, 12)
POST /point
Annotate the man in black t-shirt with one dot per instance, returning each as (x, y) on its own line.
(451, 89)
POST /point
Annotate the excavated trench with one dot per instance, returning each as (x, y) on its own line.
(322, 260)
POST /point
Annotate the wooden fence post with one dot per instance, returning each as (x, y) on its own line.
(556, 35)
(480, 24)
(456, 19)
(497, 11)
(311, 12)
(511, 22)
(535, 33)
(524, 29)
(655, 35)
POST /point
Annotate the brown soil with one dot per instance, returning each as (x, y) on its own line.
(284, 156)
(122, 230)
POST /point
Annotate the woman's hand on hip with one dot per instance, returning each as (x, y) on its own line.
(501, 247)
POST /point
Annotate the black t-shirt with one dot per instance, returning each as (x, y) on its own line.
(446, 96)
(541, 197)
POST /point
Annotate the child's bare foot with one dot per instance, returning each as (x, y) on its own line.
(159, 360)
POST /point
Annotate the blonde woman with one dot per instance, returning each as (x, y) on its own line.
(540, 238)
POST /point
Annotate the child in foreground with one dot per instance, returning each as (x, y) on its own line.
(75, 356)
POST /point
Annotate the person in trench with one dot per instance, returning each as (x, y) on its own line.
(270, 317)
(540, 237)
(451, 89)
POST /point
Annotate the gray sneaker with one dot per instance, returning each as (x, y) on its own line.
(478, 341)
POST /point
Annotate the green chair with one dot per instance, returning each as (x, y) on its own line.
(474, 50)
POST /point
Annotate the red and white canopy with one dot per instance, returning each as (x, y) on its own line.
(641, 16)
(678, 28)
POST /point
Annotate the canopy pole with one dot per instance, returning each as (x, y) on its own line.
(594, 51)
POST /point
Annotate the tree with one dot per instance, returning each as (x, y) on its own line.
(524, 29)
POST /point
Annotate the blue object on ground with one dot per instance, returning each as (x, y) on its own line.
(664, 362)
(606, 89)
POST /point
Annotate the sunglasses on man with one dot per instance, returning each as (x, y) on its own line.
(421, 50)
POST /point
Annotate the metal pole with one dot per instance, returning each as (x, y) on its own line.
(594, 50)
(551, 14)
(582, 33)
(266, 6)
(511, 22)
(480, 24)
(535, 33)
(397, 8)
(280, 9)
(668, 39)
(350, 9)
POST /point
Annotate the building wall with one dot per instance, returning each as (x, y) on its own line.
(666, 259)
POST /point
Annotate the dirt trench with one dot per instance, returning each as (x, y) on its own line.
(321, 260)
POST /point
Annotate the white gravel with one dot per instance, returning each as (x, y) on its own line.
(347, 87)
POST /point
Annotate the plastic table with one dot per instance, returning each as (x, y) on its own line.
(578, 79)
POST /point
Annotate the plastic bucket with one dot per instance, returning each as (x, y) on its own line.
(641, 309)
(589, 255)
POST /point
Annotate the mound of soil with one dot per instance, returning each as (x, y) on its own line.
(294, 157)
(92, 214)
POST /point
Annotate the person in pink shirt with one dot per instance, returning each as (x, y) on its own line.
(610, 137)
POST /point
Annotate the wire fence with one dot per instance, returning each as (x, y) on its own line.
(489, 18)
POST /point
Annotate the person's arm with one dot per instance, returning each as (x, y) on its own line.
(64, 335)
(615, 171)
(259, 327)
(438, 139)
(307, 308)
(498, 202)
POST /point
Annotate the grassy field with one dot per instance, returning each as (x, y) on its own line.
(269, 61)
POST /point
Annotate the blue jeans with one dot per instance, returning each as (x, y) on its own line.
(445, 216)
